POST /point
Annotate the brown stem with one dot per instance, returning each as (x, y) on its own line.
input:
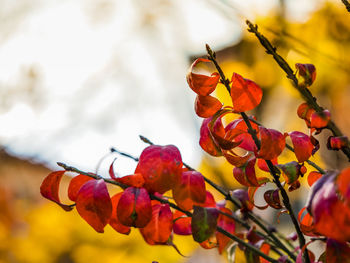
(347, 4)
(272, 168)
(123, 186)
(228, 197)
(303, 90)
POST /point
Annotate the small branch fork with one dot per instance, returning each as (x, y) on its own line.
(272, 168)
(303, 90)
(123, 186)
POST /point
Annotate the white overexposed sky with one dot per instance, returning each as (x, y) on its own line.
(80, 76)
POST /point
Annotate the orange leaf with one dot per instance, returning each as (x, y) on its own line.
(75, 184)
(202, 84)
(272, 143)
(190, 190)
(50, 186)
(114, 221)
(313, 177)
(245, 94)
(206, 106)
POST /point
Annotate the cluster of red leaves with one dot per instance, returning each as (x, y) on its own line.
(218, 139)
(159, 170)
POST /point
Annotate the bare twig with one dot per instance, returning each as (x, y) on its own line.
(347, 4)
(303, 90)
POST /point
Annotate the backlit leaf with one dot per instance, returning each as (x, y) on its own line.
(159, 229)
(94, 204)
(190, 189)
(161, 167)
(206, 106)
(245, 94)
(202, 84)
(75, 184)
(50, 186)
(272, 143)
(134, 207)
(206, 140)
(114, 221)
(303, 147)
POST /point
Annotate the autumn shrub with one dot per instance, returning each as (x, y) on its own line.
(164, 196)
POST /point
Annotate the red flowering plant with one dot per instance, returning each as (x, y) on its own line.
(189, 208)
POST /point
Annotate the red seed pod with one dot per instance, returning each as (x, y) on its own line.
(320, 120)
(336, 143)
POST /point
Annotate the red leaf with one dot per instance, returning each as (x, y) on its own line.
(182, 223)
(206, 106)
(202, 84)
(306, 73)
(161, 167)
(224, 140)
(135, 180)
(189, 190)
(94, 204)
(245, 94)
(206, 140)
(245, 175)
(306, 222)
(235, 159)
(227, 224)
(320, 120)
(273, 199)
(159, 229)
(302, 144)
(263, 165)
(324, 205)
(75, 184)
(272, 143)
(237, 129)
(114, 221)
(209, 201)
(134, 207)
(204, 221)
(50, 186)
(343, 183)
(337, 252)
(337, 143)
(313, 177)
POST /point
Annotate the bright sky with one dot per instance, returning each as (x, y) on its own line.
(77, 77)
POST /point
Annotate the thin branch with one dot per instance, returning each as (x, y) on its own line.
(273, 170)
(347, 4)
(228, 197)
(153, 197)
(303, 90)
(114, 150)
